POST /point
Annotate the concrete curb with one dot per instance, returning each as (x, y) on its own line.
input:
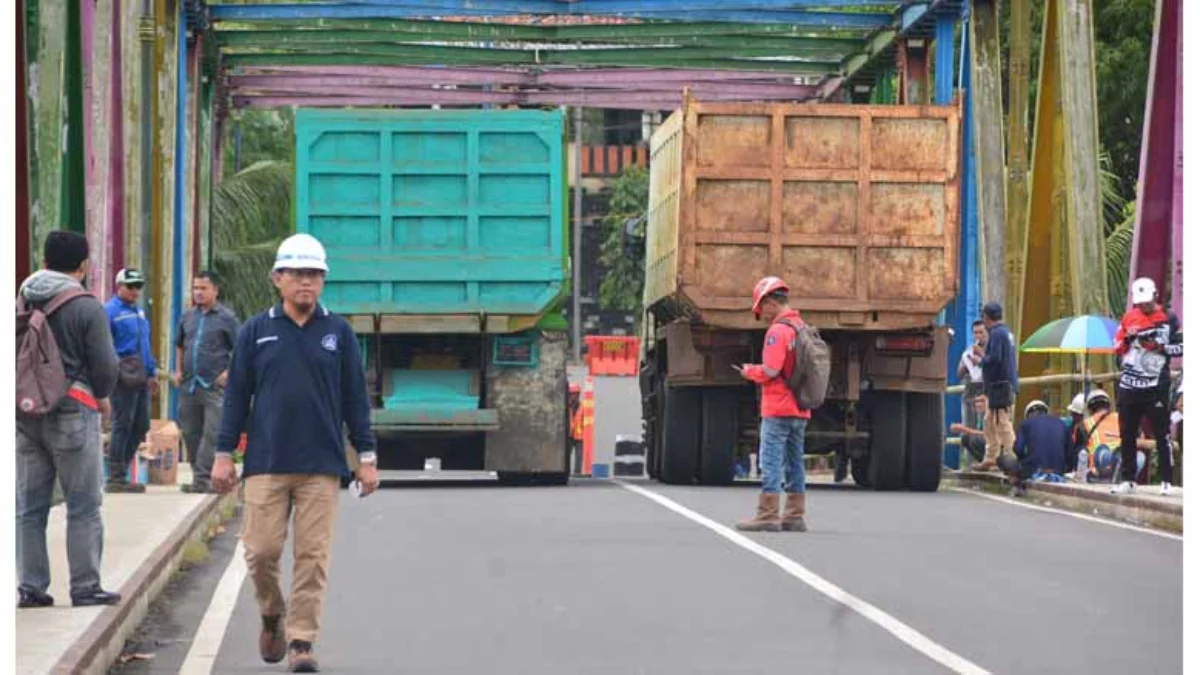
(94, 652)
(1134, 509)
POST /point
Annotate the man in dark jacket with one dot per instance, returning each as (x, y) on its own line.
(65, 444)
(1043, 442)
(999, 366)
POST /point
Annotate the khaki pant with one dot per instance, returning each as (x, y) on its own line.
(998, 433)
(270, 500)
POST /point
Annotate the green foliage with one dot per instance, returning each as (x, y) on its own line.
(267, 136)
(624, 256)
(251, 214)
(1118, 247)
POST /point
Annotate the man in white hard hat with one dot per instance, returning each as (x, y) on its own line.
(1149, 337)
(1041, 446)
(302, 367)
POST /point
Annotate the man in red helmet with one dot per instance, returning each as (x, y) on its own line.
(781, 436)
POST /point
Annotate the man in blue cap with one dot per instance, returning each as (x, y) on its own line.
(999, 366)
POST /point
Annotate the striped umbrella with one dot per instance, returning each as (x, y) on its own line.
(1074, 335)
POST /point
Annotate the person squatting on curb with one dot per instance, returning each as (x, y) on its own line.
(296, 380)
(781, 435)
(61, 439)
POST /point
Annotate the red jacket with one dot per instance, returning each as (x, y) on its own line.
(779, 357)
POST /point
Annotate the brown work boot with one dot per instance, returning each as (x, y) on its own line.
(793, 513)
(985, 466)
(766, 519)
(300, 657)
(271, 645)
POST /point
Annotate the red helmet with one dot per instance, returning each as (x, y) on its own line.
(574, 387)
(765, 287)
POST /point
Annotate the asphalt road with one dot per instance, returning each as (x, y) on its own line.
(595, 578)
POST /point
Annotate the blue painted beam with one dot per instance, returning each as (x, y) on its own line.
(832, 20)
(943, 60)
(966, 307)
(177, 239)
(610, 6)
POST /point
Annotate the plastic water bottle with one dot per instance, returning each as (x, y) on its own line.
(1081, 467)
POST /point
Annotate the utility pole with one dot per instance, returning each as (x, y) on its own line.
(577, 243)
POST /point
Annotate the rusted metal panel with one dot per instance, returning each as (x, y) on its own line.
(856, 206)
(662, 220)
(531, 403)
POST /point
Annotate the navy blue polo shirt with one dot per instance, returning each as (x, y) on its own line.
(292, 389)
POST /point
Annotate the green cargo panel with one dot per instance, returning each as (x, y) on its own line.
(435, 212)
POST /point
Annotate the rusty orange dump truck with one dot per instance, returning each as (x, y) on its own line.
(857, 208)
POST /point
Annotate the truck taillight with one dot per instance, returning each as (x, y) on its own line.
(905, 344)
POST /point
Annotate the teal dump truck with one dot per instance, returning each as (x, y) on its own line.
(446, 235)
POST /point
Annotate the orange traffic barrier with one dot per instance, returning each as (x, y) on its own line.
(587, 404)
(612, 355)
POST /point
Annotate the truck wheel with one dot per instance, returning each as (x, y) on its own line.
(718, 435)
(679, 454)
(926, 419)
(888, 436)
(654, 429)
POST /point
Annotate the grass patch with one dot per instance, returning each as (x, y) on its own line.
(194, 552)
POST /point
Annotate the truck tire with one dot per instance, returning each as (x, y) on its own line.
(926, 420)
(679, 454)
(653, 426)
(888, 440)
(718, 435)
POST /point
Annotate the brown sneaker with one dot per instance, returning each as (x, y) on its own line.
(766, 518)
(793, 513)
(271, 645)
(300, 657)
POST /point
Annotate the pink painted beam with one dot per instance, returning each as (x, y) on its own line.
(497, 76)
(247, 84)
(116, 150)
(612, 101)
(1177, 219)
(1156, 215)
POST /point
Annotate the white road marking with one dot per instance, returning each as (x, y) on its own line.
(207, 642)
(1062, 512)
(903, 632)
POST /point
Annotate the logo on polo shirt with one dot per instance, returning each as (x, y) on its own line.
(329, 342)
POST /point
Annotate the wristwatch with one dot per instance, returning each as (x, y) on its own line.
(368, 458)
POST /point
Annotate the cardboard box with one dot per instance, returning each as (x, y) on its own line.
(162, 451)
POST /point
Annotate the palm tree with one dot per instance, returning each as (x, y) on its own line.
(1119, 217)
(251, 214)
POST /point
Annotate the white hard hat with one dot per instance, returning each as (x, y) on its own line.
(1098, 395)
(1036, 404)
(301, 252)
(1078, 405)
(1143, 290)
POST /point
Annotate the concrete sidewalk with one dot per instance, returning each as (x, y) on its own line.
(145, 537)
(1144, 507)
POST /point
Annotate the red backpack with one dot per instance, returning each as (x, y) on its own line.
(41, 379)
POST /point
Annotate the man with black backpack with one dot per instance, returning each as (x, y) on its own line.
(794, 376)
(65, 368)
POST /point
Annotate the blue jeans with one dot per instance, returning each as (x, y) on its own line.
(781, 454)
(65, 444)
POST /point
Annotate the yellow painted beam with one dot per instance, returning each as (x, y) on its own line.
(1077, 62)
(1018, 156)
(988, 119)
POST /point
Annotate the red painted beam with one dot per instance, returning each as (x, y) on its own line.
(23, 267)
(1156, 215)
(614, 102)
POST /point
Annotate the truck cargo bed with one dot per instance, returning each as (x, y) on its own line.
(855, 206)
(435, 212)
